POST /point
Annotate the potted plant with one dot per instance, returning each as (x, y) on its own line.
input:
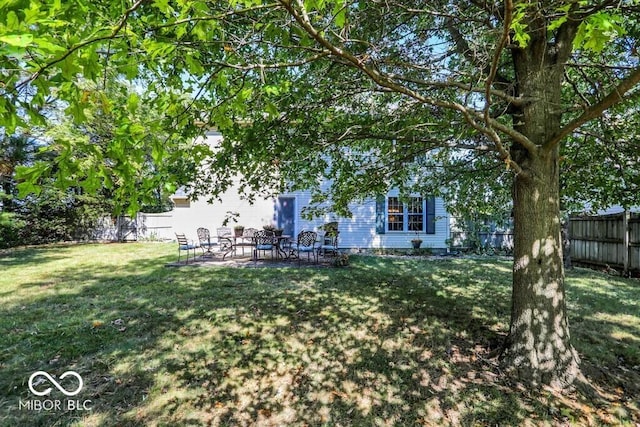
(278, 231)
(238, 230)
(269, 227)
(416, 242)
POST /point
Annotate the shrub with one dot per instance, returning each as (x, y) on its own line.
(341, 260)
(11, 227)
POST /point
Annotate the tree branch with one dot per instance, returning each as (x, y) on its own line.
(471, 116)
(614, 97)
(516, 101)
(79, 46)
(508, 16)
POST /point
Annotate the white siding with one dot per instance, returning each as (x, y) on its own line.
(202, 214)
(359, 231)
(188, 218)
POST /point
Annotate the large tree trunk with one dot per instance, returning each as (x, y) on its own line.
(538, 346)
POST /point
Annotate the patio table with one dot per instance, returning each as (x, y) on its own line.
(227, 244)
(283, 246)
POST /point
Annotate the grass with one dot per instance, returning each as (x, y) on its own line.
(387, 341)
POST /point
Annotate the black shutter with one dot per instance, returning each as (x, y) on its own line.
(431, 215)
(381, 215)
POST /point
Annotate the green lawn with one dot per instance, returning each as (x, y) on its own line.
(387, 341)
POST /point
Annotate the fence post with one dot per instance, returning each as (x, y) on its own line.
(566, 242)
(625, 241)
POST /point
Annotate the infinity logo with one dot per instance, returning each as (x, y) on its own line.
(55, 383)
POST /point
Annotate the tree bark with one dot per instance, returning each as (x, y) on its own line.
(538, 347)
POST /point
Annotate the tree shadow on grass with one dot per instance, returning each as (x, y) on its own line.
(326, 356)
(386, 342)
(604, 312)
(26, 255)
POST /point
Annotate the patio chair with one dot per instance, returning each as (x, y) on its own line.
(224, 232)
(205, 241)
(184, 245)
(246, 240)
(225, 240)
(264, 241)
(329, 243)
(306, 243)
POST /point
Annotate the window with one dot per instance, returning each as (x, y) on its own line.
(181, 202)
(395, 211)
(416, 215)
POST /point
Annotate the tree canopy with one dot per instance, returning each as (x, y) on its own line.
(468, 99)
(323, 76)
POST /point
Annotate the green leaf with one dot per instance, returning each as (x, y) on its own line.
(557, 23)
(597, 31)
(163, 6)
(340, 13)
(17, 40)
(520, 36)
(272, 90)
(76, 110)
(69, 67)
(92, 182)
(132, 102)
(194, 64)
(170, 187)
(554, 25)
(13, 23)
(518, 26)
(131, 69)
(29, 176)
(271, 109)
(25, 188)
(136, 129)
(47, 46)
(158, 49)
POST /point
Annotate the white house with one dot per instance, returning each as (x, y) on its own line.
(385, 222)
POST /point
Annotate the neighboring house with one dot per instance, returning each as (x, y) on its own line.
(615, 209)
(384, 222)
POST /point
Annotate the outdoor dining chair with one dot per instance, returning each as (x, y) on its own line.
(204, 236)
(225, 240)
(185, 245)
(329, 243)
(224, 232)
(306, 243)
(246, 240)
(264, 241)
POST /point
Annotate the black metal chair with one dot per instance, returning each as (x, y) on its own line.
(264, 241)
(185, 245)
(329, 243)
(306, 243)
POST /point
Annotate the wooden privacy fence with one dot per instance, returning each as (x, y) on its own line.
(607, 240)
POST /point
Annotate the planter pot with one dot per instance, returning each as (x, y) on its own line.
(238, 232)
(416, 244)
